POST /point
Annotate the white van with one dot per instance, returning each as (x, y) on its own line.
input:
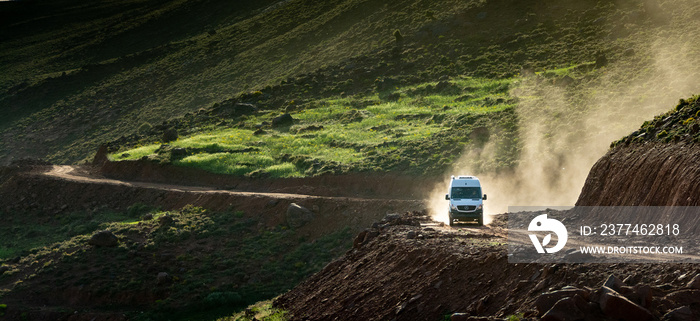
(466, 200)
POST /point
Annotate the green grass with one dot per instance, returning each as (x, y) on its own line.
(139, 152)
(76, 75)
(354, 129)
(220, 262)
(24, 235)
(262, 311)
(680, 124)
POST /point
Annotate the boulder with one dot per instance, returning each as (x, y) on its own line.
(357, 243)
(613, 283)
(101, 156)
(392, 216)
(644, 294)
(565, 310)
(616, 306)
(298, 215)
(103, 239)
(459, 317)
(179, 152)
(170, 135)
(240, 109)
(547, 300)
(166, 219)
(272, 203)
(685, 297)
(694, 283)
(282, 120)
(371, 235)
(680, 314)
(232, 109)
(540, 286)
(364, 237)
(162, 278)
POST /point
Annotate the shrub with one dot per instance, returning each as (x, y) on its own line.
(688, 121)
(170, 135)
(398, 35)
(661, 134)
(223, 298)
(145, 128)
(138, 209)
(681, 103)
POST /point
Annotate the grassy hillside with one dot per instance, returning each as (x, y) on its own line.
(413, 129)
(215, 263)
(526, 89)
(103, 68)
(677, 125)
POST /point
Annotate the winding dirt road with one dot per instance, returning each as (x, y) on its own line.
(69, 188)
(77, 174)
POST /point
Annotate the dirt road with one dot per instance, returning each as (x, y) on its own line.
(77, 174)
(57, 189)
(362, 212)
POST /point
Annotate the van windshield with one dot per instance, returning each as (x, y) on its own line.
(466, 192)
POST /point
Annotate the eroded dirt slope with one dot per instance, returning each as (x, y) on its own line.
(655, 165)
(366, 185)
(651, 174)
(399, 270)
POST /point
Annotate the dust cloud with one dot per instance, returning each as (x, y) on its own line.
(562, 130)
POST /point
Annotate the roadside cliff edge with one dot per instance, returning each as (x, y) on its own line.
(656, 165)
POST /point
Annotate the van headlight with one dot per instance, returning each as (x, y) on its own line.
(452, 206)
(480, 207)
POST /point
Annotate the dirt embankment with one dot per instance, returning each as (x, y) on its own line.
(364, 185)
(48, 190)
(649, 174)
(402, 271)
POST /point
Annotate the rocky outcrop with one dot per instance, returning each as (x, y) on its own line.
(103, 239)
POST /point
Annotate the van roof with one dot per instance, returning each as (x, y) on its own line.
(464, 177)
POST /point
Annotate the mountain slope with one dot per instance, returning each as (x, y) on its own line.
(81, 74)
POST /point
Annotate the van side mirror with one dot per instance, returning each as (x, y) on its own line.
(447, 197)
(484, 197)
